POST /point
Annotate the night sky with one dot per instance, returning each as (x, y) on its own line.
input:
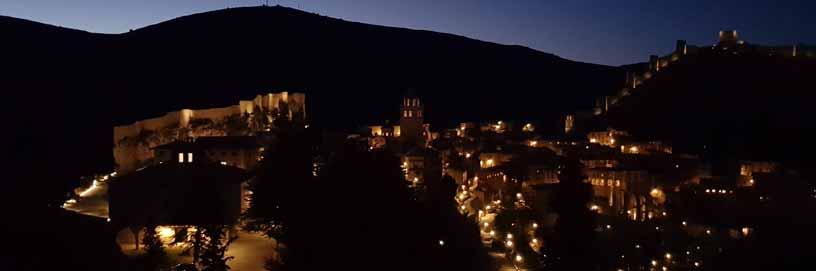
(612, 32)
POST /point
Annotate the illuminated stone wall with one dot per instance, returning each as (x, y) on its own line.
(133, 143)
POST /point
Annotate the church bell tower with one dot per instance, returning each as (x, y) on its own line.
(411, 120)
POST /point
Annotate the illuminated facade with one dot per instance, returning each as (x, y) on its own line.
(610, 138)
(626, 192)
(748, 170)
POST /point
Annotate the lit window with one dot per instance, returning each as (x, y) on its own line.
(181, 158)
(189, 157)
(409, 113)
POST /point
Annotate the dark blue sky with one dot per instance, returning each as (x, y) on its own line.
(612, 32)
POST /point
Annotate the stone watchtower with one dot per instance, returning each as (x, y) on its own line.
(411, 120)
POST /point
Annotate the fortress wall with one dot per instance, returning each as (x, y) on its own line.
(171, 118)
(246, 107)
(130, 156)
(297, 103)
(216, 114)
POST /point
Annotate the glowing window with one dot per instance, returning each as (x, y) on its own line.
(181, 158)
(189, 157)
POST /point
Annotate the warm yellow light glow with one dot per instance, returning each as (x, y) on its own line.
(165, 232)
(594, 207)
(492, 233)
(535, 240)
(416, 179)
(535, 225)
(746, 231)
(633, 149)
(518, 195)
(519, 258)
(508, 243)
(486, 224)
(592, 140)
(654, 263)
(696, 264)
(489, 162)
(533, 143)
(467, 155)
(441, 242)
(708, 232)
(510, 236)
(668, 256)
(189, 157)
(684, 223)
(223, 163)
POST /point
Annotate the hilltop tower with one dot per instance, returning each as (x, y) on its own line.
(411, 120)
(654, 63)
(680, 48)
(729, 36)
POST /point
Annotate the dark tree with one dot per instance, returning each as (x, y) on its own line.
(574, 229)
(359, 213)
(463, 249)
(212, 256)
(284, 172)
(155, 256)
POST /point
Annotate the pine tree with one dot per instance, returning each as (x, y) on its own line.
(214, 247)
(155, 256)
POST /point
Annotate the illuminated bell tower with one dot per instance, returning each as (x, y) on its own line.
(411, 120)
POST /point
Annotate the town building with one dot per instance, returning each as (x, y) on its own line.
(238, 151)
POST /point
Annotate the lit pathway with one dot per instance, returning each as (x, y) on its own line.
(251, 250)
(92, 201)
(504, 264)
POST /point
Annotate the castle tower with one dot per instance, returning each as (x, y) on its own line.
(654, 63)
(411, 120)
(729, 36)
(680, 47)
